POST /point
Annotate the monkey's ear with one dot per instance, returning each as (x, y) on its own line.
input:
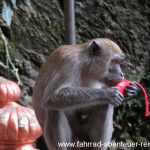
(94, 49)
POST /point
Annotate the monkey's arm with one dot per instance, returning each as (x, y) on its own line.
(77, 97)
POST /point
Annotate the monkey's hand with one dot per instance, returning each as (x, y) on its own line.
(115, 97)
(131, 90)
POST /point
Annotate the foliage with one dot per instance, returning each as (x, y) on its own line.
(130, 122)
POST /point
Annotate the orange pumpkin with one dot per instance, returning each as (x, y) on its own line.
(9, 91)
(19, 127)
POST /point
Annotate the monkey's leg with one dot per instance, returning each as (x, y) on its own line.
(101, 126)
(57, 131)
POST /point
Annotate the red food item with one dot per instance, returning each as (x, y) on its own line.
(124, 83)
(9, 91)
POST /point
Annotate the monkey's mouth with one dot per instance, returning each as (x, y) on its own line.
(112, 82)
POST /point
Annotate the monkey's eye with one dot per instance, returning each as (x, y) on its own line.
(117, 61)
(114, 61)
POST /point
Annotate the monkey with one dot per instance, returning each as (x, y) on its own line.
(74, 97)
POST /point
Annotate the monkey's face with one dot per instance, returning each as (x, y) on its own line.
(105, 60)
(115, 73)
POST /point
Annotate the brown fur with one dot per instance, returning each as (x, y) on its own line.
(73, 80)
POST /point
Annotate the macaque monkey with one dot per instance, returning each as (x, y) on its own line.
(74, 97)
